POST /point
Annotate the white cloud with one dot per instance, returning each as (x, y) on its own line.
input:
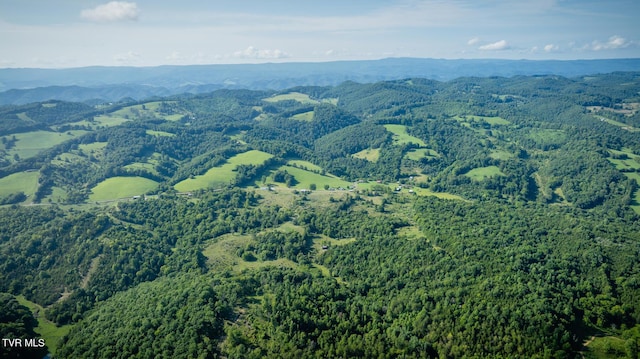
(254, 53)
(551, 48)
(496, 46)
(614, 42)
(112, 12)
(473, 41)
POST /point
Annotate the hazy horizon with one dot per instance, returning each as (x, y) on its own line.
(68, 34)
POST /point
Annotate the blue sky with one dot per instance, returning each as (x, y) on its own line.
(72, 33)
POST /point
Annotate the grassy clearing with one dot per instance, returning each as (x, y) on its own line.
(109, 120)
(304, 165)
(51, 333)
(500, 154)
(420, 153)
(492, 120)
(442, 195)
(29, 144)
(296, 96)
(222, 175)
(121, 187)
(149, 167)
(306, 178)
(58, 195)
(481, 173)
(371, 154)
(635, 201)
(305, 116)
(547, 136)
(26, 182)
(160, 133)
(400, 135)
(222, 255)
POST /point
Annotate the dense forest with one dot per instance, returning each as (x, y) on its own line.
(478, 217)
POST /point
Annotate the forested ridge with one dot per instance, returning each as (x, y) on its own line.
(479, 217)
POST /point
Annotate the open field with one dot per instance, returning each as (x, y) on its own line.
(26, 182)
(370, 154)
(29, 144)
(305, 165)
(305, 116)
(420, 153)
(481, 173)
(121, 187)
(222, 175)
(306, 178)
(159, 133)
(296, 96)
(51, 333)
(547, 136)
(400, 135)
(623, 126)
(492, 120)
(222, 254)
(500, 154)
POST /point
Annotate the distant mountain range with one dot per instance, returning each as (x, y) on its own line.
(100, 84)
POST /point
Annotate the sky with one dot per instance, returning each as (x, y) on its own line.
(76, 33)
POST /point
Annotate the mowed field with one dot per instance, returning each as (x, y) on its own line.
(400, 135)
(222, 175)
(26, 182)
(28, 144)
(478, 174)
(121, 187)
(305, 178)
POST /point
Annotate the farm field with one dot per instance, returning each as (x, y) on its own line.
(370, 155)
(400, 135)
(26, 182)
(304, 165)
(121, 187)
(305, 116)
(29, 144)
(479, 174)
(296, 96)
(492, 120)
(306, 178)
(420, 153)
(222, 175)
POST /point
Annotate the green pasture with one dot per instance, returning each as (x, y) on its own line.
(492, 120)
(109, 120)
(26, 182)
(370, 154)
(121, 187)
(305, 116)
(306, 178)
(149, 167)
(296, 96)
(51, 333)
(29, 144)
(500, 154)
(305, 165)
(420, 153)
(481, 173)
(442, 195)
(222, 175)
(160, 133)
(400, 135)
